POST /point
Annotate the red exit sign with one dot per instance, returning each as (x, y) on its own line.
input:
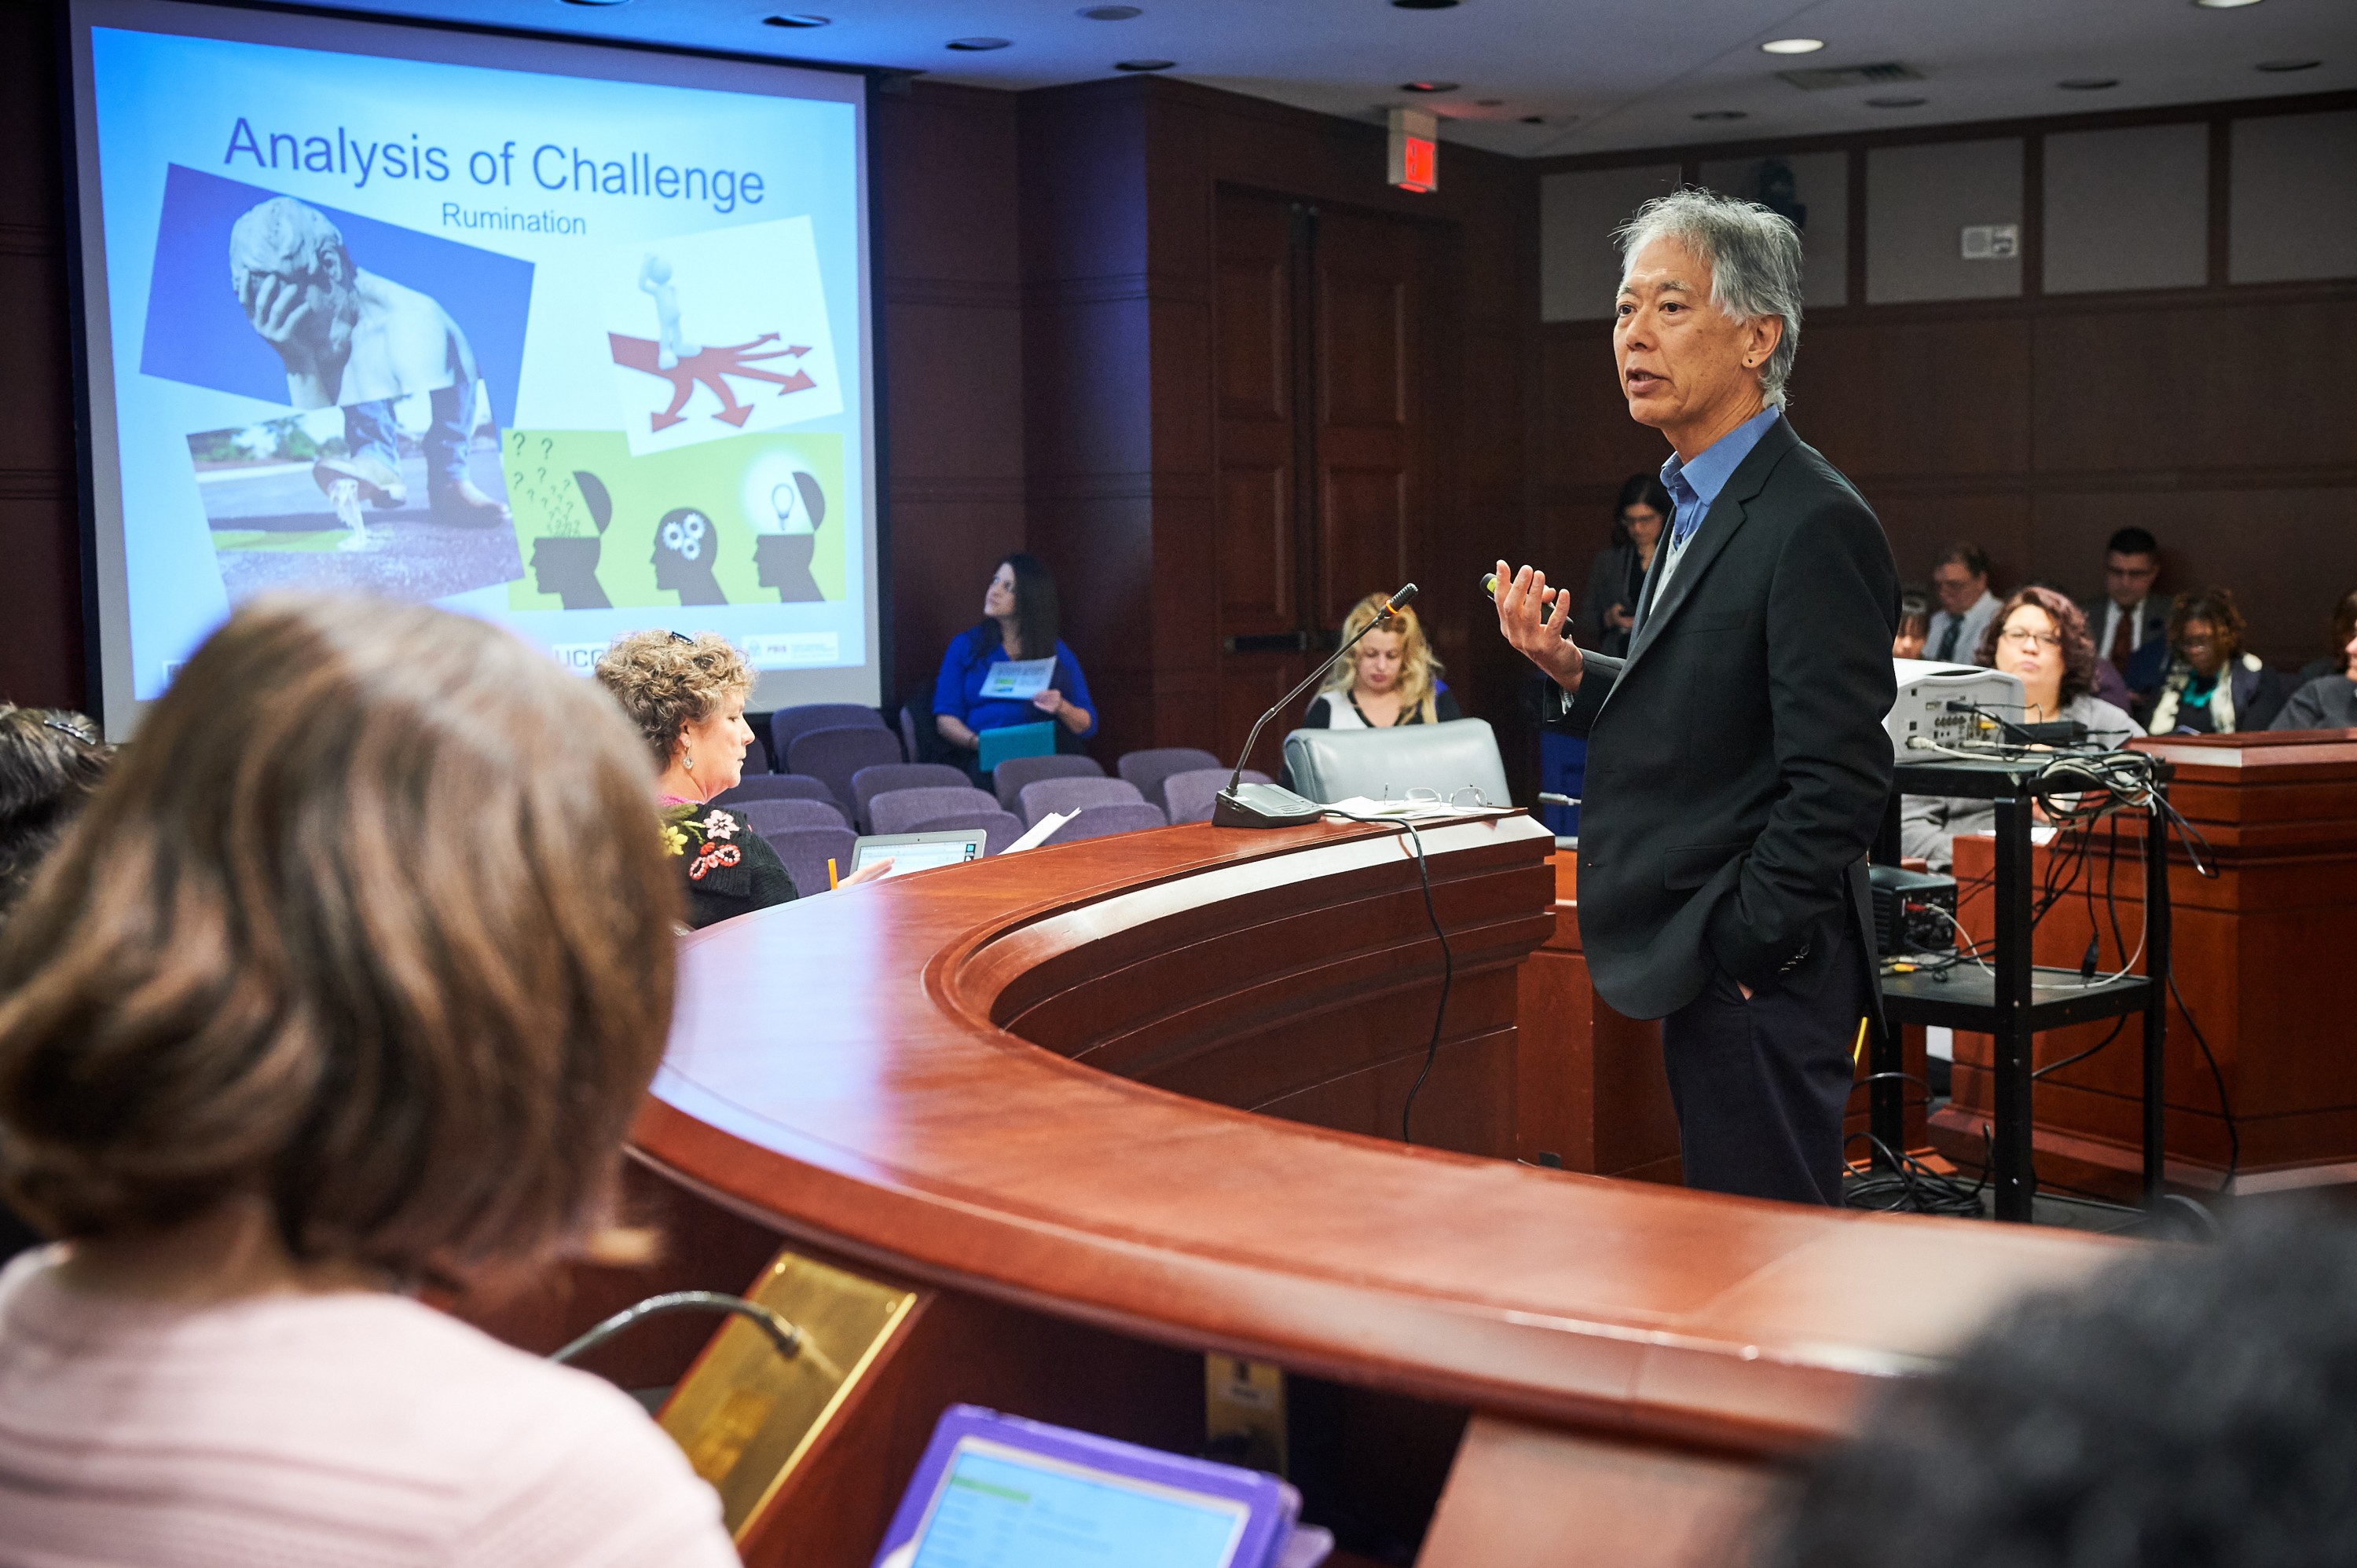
(1415, 150)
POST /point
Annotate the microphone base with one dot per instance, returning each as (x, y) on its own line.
(1263, 806)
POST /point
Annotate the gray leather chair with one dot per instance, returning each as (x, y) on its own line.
(1450, 760)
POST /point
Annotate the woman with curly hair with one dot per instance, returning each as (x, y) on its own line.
(2041, 638)
(2327, 698)
(2210, 686)
(686, 696)
(50, 761)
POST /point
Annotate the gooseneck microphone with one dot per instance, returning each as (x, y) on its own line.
(1243, 805)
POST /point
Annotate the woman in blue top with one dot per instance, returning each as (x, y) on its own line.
(1018, 623)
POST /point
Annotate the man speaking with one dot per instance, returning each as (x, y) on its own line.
(1737, 762)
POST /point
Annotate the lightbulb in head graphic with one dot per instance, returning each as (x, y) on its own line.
(782, 555)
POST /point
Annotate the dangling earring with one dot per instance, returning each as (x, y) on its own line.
(687, 760)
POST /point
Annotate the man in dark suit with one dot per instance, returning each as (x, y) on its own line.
(2129, 622)
(1737, 766)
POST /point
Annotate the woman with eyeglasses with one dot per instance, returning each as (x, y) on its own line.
(2211, 686)
(686, 696)
(1608, 612)
(2039, 637)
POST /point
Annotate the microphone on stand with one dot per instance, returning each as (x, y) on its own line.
(1243, 805)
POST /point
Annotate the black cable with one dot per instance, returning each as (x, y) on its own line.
(1447, 961)
(2226, 1108)
(2117, 1024)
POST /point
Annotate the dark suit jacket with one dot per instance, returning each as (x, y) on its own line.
(1736, 765)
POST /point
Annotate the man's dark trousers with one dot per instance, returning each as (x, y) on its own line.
(1760, 1085)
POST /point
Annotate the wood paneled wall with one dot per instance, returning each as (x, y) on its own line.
(40, 540)
(942, 193)
(2223, 418)
(1119, 180)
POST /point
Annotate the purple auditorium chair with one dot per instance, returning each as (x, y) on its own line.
(770, 818)
(806, 852)
(1147, 769)
(885, 777)
(1017, 771)
(832, 756)
(1103, 822)
(1074, 794)
(1189, 795)
(915, 810)
(910, 741)
(757, 758)
(788, 723)
(1002, 828)
(775, 786)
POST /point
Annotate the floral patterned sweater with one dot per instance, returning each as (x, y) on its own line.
(728, 867)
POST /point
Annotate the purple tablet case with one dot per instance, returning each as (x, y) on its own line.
(1272, 1504)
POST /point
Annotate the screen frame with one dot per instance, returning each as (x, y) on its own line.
(108, 677)
(869, 845)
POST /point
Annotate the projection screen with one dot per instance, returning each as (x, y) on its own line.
(571, 337)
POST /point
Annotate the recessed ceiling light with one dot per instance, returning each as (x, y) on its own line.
(2224, 5)
(976, 45)
(1427, 87)
(594, 2)
(1424, 5)
(796, 19)
(2284, 65)
(1894, 103)
(1111, 13)
(2087, 83)
(1720, 114)
(1792, 46)
(1533, 119)
(1143, 64)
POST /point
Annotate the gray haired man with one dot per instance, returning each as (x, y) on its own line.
(1737, 766)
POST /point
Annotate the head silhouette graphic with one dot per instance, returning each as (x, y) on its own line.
(567, 567)
(783, 558)
(687, 542)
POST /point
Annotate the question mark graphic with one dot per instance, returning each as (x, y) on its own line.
(547, 445)
(541, 473)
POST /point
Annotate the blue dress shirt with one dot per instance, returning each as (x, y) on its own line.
(958, 692)
(1693, 485)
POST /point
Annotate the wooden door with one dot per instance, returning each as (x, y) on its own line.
(1322, 459)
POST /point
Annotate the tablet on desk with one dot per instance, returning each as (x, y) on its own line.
(995, 1491)
(919, 852)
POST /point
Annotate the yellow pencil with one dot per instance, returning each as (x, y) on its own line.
(1858, 1047)
(831, 883)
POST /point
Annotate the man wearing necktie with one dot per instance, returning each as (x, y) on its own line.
(1960, 581)
(1737, 762)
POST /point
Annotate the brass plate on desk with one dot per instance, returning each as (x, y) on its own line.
(745, 1415)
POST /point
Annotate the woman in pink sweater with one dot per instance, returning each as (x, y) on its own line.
(349, 980)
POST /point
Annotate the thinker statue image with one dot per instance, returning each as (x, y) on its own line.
(352, 339)
(655, 276)
(687, 543)
(782, 556)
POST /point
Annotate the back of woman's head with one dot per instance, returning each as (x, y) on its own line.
(372, 924)
(50, 761)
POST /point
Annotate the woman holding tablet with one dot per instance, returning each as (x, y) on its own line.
(1018, 625)
(350, 979)
(686, 696)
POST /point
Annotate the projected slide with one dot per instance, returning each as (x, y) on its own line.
(502, 330)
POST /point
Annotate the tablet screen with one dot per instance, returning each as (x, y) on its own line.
(1000, 1507)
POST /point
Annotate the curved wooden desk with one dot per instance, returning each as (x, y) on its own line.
(864, 1073)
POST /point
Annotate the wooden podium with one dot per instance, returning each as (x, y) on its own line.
(2261, 963)
(1106, 1109)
